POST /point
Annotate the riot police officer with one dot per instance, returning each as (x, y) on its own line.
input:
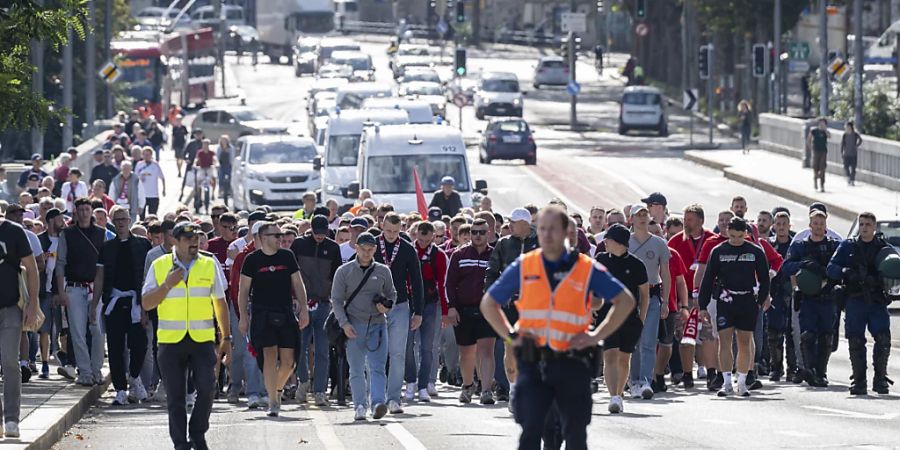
(855, 264)
(807, 259)
(778, 317)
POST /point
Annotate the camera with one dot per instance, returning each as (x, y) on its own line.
(383, 301)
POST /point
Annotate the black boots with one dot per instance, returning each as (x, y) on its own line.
(858, 365)
(808, 347)
(880, 354)
(776, 355)
(824, 352)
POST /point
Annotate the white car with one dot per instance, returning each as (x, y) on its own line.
(359, 62)
(643, 108)
(427, 91)
(419, 74)
(551, 70)
(334, 71)
(498, 95)
(274, 171)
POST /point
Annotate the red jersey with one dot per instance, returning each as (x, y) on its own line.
(204, 159)
(434, 264)
(219, 247)
(234, 278)
(676, 269)
(689, 249)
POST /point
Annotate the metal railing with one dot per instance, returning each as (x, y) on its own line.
(502, 35)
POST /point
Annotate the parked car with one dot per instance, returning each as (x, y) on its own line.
(551, 70)
(507, 138)
(643, 108)
(236, 121)
(498, 95)
(274, 171)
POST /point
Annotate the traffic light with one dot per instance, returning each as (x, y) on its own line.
(640, 9)
(460, 11)
(703, 60)
(600, 6)
(759, 60)
(460, 62)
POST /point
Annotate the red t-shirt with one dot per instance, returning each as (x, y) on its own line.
(219, 247)
(689, 250)
(676, 269)
(204, 159)
(234, 279)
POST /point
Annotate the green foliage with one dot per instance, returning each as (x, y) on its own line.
(748, 16)
(21, 22)
(881, 108)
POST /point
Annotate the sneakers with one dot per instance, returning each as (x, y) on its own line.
(659, 384)
(264, 401)
(302, 390)
(717, 382)
(84, 381)
(233, 397)
(159, 394)
(465, 396)
(26, 372)
(742, 390)
(12, 429)
(646, 391)
(423, 396)
(432, 390)
(189, 400)
(253, 401)
(512, 398)
(394, 407)
(379, 411)
(45, 371)
(687, 381)
(615, 405)
(67, 372)
(410, 392)
(320, 399)
(121, 398)
(274, 409)
(701, 373)
(725, 391)
(501, 394)
(136, 391)
(487, 397)
(360, 412)
(635, 390)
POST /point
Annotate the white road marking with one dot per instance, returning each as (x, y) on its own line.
(794, 433)
(406, 439)
(324, 429)
(719, 421)
(852, 414)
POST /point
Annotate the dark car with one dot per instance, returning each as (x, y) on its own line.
(507, 138)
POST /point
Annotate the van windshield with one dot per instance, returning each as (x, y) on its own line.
(641, 98)
(281, 153)
(356, 63)
(394, 174)
(342, 150)
(500, 85)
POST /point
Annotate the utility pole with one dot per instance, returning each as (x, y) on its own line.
(220, 42)
(859, 64)
(823, 58)
(573, 99)
(67, 81)
(776, 61)
(107, 54)
(90, 63)
(709, 90)
(37, 87)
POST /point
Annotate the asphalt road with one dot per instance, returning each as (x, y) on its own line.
(594, 167)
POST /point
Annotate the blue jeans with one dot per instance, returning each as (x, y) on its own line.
(759, 336)
(398, 333)
(367, 355)
(88, 357)
(439, 346)
(860, 315)
(315, 332)
(426, 334)
(243, 365)
(643, 360)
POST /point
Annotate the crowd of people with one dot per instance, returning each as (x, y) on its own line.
(261, 308)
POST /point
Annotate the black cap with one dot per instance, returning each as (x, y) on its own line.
(366, 238)
(196, 130)
(434, 213)
(737, 224)
(186, 229)
(655, 197)
(14, 208)
(319, 224)
(256, 216)
(818, 206)
(99, 151)
(618, 233)
(53, 213)
(779, 209)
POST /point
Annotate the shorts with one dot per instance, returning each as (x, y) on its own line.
(819, 161)
(51, 314)
(472, 326)
(666, 334)
(741, 313)
(627, 336)
(263, 334)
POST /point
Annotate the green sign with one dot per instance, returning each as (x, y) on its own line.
(798, 50)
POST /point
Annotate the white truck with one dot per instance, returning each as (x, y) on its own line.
(281, 22)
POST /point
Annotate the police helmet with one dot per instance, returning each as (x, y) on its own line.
(889, 269)
(809, 283)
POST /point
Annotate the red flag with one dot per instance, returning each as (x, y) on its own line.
(420, 196)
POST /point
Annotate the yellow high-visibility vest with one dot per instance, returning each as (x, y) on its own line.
(188, 307)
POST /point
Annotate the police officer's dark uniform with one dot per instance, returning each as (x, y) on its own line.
(855, 265)
(808, 259)
(778, 319)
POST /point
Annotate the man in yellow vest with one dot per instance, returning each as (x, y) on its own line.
(554, 345)
(188, 290)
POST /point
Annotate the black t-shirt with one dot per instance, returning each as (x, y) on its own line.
(820, 140)
(13, 247)
(737, 269)
(123, 276)
(271, 286)
(629, 270)
(179, 135)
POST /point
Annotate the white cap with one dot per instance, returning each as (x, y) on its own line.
(520, 214)
(638, 208)
(256, 226)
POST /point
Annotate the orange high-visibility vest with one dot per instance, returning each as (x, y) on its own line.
(554, 317)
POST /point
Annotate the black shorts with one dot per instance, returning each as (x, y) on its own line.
(472, 326)
(263, 334)
(626, 337)
(667, 329)
(512, 313)
(741, 313)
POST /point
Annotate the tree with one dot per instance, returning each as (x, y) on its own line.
(22, 21)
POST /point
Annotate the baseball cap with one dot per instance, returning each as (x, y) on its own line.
(255, 228)
(319, 225)
(359, 222)
(366, 238)
(99, 151)
(818, 206)
(448, 180)
(434, 213)
(196, 130)
(638, 208)
(185, 229)
(655, 197)
(14, 208)
(520, 214)
(256, 216)
(36, 156)
(618, 233)
(53, 213)
(779, 209)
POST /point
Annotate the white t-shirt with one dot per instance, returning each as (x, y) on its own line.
(51, 261)
(237, 244)
(35, 243)
(150, 175)
(69, 193)
(347, 252)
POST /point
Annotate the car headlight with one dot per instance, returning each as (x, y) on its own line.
(332, 188)
(517, 102)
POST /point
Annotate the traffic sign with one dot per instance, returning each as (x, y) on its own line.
(798, 66)
(798, 50)
(573, 22)
(839, 69)
(442, 27)
(573, 88)
(110, 72)
(641, 29)
(460, 100)
(690, 99)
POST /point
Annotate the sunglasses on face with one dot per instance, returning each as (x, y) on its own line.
(479, 232)
(215, 216)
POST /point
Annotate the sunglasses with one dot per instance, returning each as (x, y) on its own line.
(479, 232)
(215, 216)
(231, 228)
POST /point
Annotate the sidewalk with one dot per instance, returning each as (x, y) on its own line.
(49, 408)
(783, 176)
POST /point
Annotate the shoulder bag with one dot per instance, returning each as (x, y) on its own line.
(333, 330)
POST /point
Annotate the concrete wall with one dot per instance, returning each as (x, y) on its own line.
(84, 162)
(878, 161)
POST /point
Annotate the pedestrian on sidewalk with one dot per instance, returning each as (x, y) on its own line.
(745, 118)
(849, 149)
(818, 141)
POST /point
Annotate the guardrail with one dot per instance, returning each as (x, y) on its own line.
(500, 36)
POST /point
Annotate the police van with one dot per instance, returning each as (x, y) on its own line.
(419, 110)
(389, 153)
(351, 96)
(338, 162)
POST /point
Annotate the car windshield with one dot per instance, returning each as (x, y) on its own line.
(306, 48)
(245, 115)
(281, 153)
(891, 231)
(414, 51)
(424, 90)
(355, 63)
(342, 150)
(641, 98)
(422, 76)
(513, 126)
(500, 85)
(393, 174)
(553, 64)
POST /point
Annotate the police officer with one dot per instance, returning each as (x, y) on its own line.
(855, 265)
(778, 317)
(188, 290)
(807, 260)
(553, 342)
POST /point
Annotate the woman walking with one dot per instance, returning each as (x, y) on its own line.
(849, 147)
(745, 117)
(224, 155)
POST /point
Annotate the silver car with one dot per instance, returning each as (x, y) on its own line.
(236, 121)
(551, 70)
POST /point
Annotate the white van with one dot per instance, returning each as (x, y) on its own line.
(419, 110)
(339, 160)
(388, 155)
(351, 96)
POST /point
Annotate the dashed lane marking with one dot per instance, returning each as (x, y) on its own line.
(324, 430)
(406, 439)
